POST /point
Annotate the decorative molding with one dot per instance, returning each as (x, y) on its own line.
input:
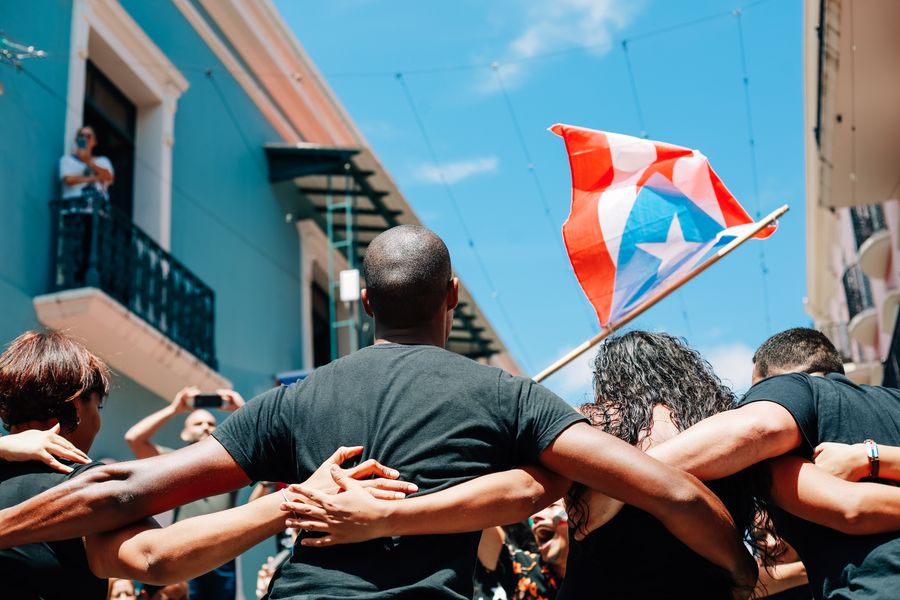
(104, 32)
(126, 342)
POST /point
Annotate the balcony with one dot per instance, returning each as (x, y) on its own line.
(873, 240)
(863, 325)
(129, 300)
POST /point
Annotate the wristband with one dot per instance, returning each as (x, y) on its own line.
(285, 498)
(872, 453)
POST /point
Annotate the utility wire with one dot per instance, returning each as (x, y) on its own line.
(753, 168)
(459, 214)
(680, 294)
(475, 65)
(634, 90)
(252, 150)
(542, 197)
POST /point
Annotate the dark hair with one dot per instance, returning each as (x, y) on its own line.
(407, 271)
(40, 375)
(797, 349)
(638, 370)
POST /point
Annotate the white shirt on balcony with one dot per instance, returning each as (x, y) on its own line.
(69, 164)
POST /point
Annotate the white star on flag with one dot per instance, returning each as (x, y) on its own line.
(673, 249)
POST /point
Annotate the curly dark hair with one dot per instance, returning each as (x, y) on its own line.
(638, 370)
(40, 375)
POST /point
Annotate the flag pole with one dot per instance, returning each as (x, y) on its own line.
(641, 308)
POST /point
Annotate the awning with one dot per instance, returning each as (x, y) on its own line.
(332, 174)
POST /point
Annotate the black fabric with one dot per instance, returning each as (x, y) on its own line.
(834, 409)
(797, 593)
(437, 417)
(49, 571)
(635, 556)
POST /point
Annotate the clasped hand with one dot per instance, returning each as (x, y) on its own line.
(347, 505)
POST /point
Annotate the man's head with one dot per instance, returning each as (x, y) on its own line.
(86, 138)
(551, 532)
(408, 278)
(121, 589)
(798, 350)
(47, 378)
(199, 425)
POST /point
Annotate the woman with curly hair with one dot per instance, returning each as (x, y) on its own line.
(648, 387)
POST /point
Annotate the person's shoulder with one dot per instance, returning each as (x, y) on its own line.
(103, 161)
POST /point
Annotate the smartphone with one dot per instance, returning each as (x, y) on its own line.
(81, 142)
(208, 401)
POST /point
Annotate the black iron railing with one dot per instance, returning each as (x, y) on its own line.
(98, 247)
(867, 220)
(856, 287)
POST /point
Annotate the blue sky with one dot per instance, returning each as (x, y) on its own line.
(563, 61)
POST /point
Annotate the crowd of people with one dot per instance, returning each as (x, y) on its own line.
(414, 461)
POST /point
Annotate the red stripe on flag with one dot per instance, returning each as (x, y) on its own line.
(732, 210)
(592, 172)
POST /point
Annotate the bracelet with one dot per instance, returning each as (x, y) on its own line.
(872, 453)
(285, 498)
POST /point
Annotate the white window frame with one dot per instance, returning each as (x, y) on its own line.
(104, 32)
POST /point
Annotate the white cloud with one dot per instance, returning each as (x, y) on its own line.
(455, 172)
(561, 25)
(733, 364)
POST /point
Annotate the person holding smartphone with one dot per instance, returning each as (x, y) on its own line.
(83, 174)
(198, 425)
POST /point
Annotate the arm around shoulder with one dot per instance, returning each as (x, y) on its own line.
(111, 496)
(731, 441)
(806, 491)
(685, 506)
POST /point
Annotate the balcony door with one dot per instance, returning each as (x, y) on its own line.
(114, 118)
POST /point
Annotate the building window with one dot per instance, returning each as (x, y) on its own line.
(321, 326)
(114, 118)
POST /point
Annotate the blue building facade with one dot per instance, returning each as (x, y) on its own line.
(238, 173)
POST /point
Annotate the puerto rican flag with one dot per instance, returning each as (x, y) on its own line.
(643, 213)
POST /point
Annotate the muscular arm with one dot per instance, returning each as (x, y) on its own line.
(804, 490)
(185, 549)
(731, 441)
(113, 496)
(684, 506)
(494, 499)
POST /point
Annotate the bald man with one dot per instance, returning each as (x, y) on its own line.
(198, 425)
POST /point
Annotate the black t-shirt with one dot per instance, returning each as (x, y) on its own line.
(48, 571)
(834, 409)
(635, 556)
(437, 417)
